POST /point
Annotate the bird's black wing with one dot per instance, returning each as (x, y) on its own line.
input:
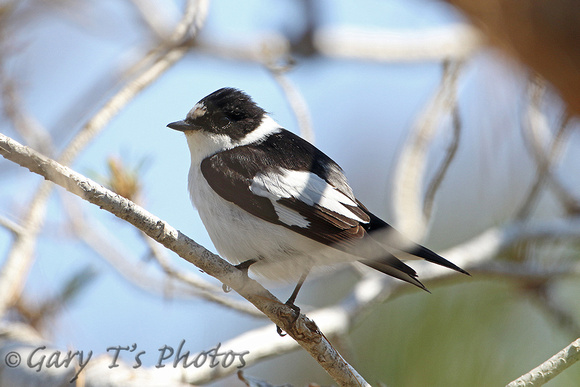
(306, 192)
(287, 181)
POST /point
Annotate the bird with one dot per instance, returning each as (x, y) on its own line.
(275, 204)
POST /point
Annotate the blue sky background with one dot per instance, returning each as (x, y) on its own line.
(361, 112)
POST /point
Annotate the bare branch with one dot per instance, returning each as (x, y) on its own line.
(545, 159)
(107, 246)
(22, 339)
(191, 22)
(198, 286)
(295, 99)
(11, 226)
(449, 42)
(154, 15)
(29, 128)
(560, 314)
(20, 257)
(550, 368)
(410, 168)
(374, 289)
(303, 330)
(433, 186)
(19, 260)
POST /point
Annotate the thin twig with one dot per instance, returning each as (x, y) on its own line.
(410, 169)
(294, 98)
(198, 286)
(545, 160)
(436, 181)
(25, 124)
(11, 226)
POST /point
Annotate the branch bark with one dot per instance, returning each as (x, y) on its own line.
(550, 368)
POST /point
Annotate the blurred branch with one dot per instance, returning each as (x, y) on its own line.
(560, 314)
(374, 289)
(302, 329)
(22, 339)
(154, 15)
(536, 136)
(294, 98)
(436, 181)
(410, 168)
(199, 287)
(526, 272)
(29, 128)
(542, 34)
(303, 44)
(40, 312)
(452, 42)
(11, 226)
(550, 368)
(260, 50)
(107, 246)
(16, 266)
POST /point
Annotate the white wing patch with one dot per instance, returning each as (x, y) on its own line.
(304, 186)
(290, 217)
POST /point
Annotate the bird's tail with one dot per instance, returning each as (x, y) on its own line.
(431, 256)
(394, 267)
(395, 242)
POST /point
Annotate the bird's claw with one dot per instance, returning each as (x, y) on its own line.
(295, 316)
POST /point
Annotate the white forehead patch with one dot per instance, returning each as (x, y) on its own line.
(196, 111)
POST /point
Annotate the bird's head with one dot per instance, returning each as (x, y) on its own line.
(227, 111)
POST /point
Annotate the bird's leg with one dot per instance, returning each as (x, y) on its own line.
(244, 266)
(292, 298)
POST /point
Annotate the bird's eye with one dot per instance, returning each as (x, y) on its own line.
(224, 120)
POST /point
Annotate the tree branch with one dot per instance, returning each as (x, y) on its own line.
(433, 186)
(410, 168)
(19, 260)
(434, 44)
(546, 160)
(550, 368)
(303, 330)
(374, 289)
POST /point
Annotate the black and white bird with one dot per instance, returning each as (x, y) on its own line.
(272, 200)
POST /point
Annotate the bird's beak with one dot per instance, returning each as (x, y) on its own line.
(181, 126)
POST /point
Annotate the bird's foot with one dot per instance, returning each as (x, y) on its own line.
(295, 316)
